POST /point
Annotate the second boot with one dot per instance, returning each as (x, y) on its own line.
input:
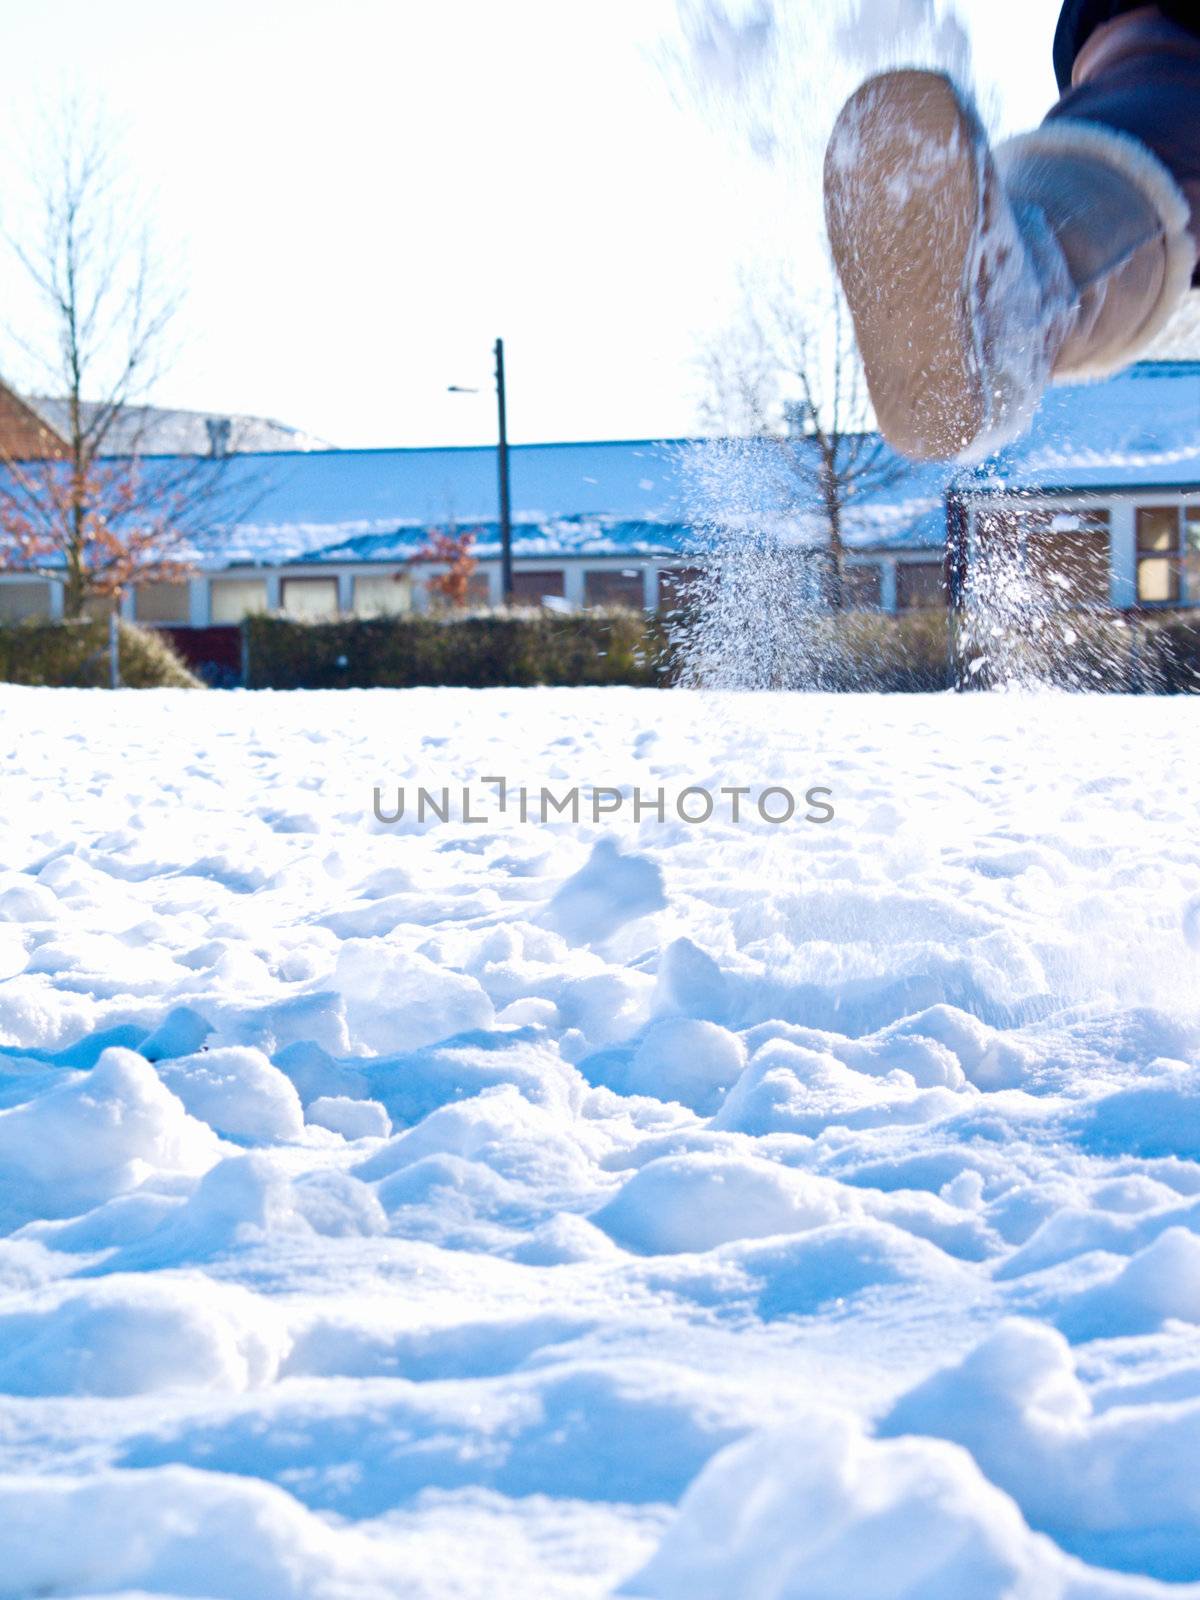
(976, 277)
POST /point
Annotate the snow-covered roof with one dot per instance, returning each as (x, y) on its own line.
(1140, 430)
(612, 497)
(644, 497)
(376, 505)
(591, 534)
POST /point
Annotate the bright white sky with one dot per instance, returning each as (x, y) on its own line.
(367, 192)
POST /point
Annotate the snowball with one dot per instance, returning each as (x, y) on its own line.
(964, 1191)
(1159, 1282)
(565, 1238)
(181, 1033)
(685, 1060)
(690, 983)
(248, 1198)
(316, 1018)
(242, 1194)
(814, 1509)
(988, 1059)
(606, 1006)
(237, 1092)
(608, 891)
(38, 1016)
(1122, 1479)
(97, 1135)
(529, 1010)
(130, 1335)
(28, 902)
(499, 1128)
(697, 1201)
(455, 1203)
(354, 1119)
(176, 1530)
(789, 1088)
(399, 1000)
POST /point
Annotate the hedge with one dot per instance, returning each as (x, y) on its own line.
(914, 652)
(76, 655)
(524, 648)
(1171, 664)
(863, 651)
(475, 651)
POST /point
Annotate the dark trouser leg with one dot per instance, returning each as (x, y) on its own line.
(1140, 75)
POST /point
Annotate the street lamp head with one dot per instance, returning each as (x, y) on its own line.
(459, 388)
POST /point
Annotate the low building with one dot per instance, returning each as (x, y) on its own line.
(1103, 495)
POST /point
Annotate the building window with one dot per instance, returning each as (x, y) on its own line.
(19, 601)
(531, 588)
(1063, 554)
(1159, 554)
(161, 602)
(1073, 559)
(862, 587)
(309, 598)
(231, 599)
(919, 584)
(1191, 553)
(382, 594)
(678, 588)
(614, 586)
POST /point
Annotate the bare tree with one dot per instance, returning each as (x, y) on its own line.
(788, 373)
(93, 513)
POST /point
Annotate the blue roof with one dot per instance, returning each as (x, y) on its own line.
(645, 497)
(637, 496)
(378, 489)
(1140, 430)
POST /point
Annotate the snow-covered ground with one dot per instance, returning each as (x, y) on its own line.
(533, 1209)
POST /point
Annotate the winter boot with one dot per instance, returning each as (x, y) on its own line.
(974, 277)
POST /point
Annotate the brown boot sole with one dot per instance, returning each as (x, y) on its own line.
(905, 174)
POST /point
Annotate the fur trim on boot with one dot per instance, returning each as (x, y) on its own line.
(1121, 220)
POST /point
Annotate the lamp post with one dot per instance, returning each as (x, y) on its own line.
(506, 572)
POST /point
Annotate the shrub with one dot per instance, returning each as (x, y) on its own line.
(1074, 650)
(848, 651)
(870, 651)
(147, 660)
(1170, 660)
(75, 655)
(914, 652)
(475, 651)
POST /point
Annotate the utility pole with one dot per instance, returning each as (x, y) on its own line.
(506, 572)
(958, 528)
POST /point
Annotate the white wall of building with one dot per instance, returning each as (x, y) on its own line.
(269, 582)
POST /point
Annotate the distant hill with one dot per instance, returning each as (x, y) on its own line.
(155, 430)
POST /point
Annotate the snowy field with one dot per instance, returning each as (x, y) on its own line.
(523, 1209)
